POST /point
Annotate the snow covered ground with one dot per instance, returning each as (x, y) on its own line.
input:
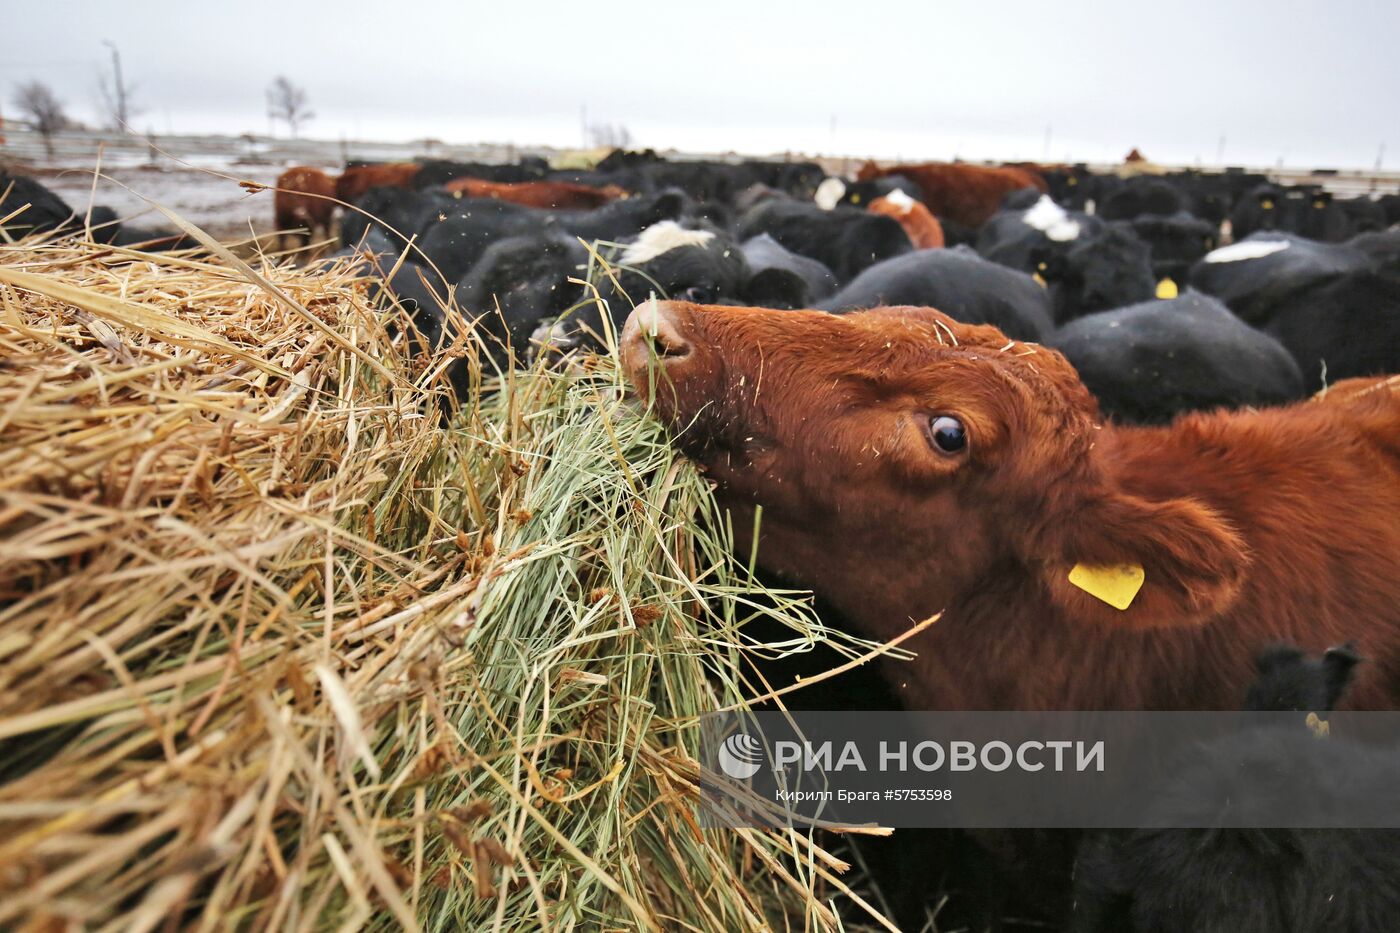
(208, 199)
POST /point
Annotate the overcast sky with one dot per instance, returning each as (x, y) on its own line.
(1310, 84)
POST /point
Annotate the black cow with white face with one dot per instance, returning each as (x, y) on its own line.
(1087, 264)
(1256, 274)
(668, 260)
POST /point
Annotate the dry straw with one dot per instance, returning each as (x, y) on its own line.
(291, 640)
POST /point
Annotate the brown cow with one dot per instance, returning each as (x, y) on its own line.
(354, 182)
(303, 201)
(965, 194)
(557, 195)
(923, 229)
(908, 464)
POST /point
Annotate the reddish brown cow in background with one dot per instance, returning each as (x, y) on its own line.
(354, 182)
(908, 464)
(966, 194)
(303, 200)
(924, 230)
(546, 194)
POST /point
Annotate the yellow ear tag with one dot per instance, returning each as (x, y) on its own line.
(1319, 727)
(1166, 289)
(1115, 585)
(855, 199)
(1267, 204)
(1040, 280)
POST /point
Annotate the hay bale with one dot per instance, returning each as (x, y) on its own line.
(279, 649)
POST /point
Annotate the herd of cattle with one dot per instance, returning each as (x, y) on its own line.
(1124, 275)
(1105, 382)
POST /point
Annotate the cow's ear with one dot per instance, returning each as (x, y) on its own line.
(1136, 563)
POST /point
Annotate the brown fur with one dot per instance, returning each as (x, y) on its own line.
(557, 195)
(302, 200)
(966, 194)
(354, 182)
(1253, 527)
(922, 228)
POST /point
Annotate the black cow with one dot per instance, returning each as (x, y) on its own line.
(1071, 187)
(1390, 207)
(1218, 880)
(1363, 214)
(389, 209)
(692, 264)
(1143, 194)
(1096, 273)
(518, 283)
(46, 211)
(833, 191)
(455, 243)
(844, 239)
(1254, 275)
(1088, 265)
(1177, 242)
(625, 218)
(1020, 236)
(435, 173)
(1346, 326)
(1150, 362)
(780, 278)
(957, 282)
(667, 260)
(1305, 210)
(1383, 248)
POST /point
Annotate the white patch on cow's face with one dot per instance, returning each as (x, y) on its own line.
(899, 199)
(1249, 249)
(662, 238)
(1050, 219)
(829, 193)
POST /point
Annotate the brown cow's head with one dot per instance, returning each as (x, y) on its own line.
(901, 457)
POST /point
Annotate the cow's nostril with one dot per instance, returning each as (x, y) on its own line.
(659, 333)
(665, 346)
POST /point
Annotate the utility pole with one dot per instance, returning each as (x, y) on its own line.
(120, 88)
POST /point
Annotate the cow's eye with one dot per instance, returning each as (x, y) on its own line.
(700, 294)
(947, 434)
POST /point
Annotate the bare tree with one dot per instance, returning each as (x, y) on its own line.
(287, 102)
(118, 97)
(36, 101)
(608, 135)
